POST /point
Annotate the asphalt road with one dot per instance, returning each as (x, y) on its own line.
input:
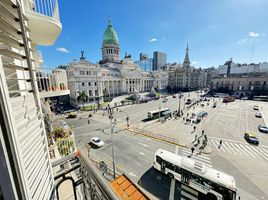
(134, 153)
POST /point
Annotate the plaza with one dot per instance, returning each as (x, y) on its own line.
(134, 151)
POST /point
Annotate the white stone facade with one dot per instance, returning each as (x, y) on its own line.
(102, 82)
(236, 68)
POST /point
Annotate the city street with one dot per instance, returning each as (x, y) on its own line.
(134, 153)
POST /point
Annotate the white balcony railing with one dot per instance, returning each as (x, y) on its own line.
(46, 7)
(44, 21)
(52, 82)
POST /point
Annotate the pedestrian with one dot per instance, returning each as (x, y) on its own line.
(192, 149)
(220, 144)
(194, 128)
(203, 132)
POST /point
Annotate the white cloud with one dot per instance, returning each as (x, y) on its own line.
(253, 34)
(243, 41)
(63, 50)
(194, 63)
(153, 40)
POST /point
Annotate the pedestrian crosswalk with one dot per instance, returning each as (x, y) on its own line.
(239, 148)
(200, 158)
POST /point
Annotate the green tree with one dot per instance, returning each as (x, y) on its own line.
(82, 97)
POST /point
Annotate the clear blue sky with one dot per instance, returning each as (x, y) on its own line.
(215, 29)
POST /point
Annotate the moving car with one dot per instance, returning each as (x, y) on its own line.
(256, 107)
(263, 128)
(251, 138)
(258, 114)
(97, 141)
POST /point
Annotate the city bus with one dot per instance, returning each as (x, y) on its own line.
(197, 180)
(260, 98)
(163, 112)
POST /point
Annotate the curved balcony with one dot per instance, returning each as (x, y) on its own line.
(44, 21)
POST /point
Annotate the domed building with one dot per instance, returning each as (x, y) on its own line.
(111, 76)
(110, 45)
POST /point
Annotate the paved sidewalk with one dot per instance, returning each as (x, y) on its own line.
(264, 112)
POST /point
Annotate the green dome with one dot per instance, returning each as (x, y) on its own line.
(110, 36)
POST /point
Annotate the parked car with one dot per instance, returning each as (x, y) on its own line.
(174, 96)
(258, 114)
(97, 142)
(251, 138)
(165, 100)
(256, 107)
(263, 128)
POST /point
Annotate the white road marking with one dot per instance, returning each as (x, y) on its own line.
(145, 145)
(132, 174)
(203, 159)
(230, 150)
(236, 151)
(176, 149)
(148, 139)
(259, 152)
(263, 153)
(142, 153)
(235, 141)
(242, 151)
(138, 163)
(249, 152)
(172, 189)
(224, 146)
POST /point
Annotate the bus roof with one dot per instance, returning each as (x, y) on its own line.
(161, 110)
(198, 168)
(201, 113)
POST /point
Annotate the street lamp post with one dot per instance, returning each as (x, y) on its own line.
(179, 105)
(159, 111)
(112, 124)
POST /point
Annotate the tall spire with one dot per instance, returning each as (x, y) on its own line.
(186, 61)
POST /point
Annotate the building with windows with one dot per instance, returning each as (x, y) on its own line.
(25, 169)
(110, 77)
(242, 85)
(159, 60)
(241, 79)
(230, 68)
(145, 63)
(185, 76)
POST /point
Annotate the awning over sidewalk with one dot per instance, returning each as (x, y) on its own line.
(126, 189)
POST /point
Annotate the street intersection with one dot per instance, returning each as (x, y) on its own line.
(134, 153)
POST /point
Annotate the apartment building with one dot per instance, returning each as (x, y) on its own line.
(26, 171)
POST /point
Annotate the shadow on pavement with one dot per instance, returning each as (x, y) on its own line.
(158, 184)
(146, 120)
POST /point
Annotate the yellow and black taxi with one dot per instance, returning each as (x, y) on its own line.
(250, 137)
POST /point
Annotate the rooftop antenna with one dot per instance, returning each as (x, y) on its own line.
(252, 53)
